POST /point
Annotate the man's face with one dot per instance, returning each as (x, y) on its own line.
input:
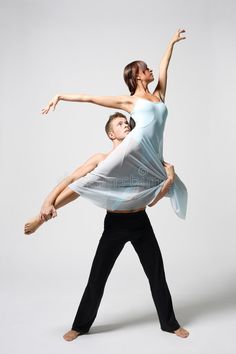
(120, 128)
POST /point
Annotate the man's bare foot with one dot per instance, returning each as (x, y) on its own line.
(71, 335)
(181, 332)
(32, 225)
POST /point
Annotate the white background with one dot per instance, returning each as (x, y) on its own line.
(50, 47)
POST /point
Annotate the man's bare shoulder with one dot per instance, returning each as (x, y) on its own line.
(95, 159)
(102, 155)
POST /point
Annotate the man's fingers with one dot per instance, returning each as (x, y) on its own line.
(54, 213)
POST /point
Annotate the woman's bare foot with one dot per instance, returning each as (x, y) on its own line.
(181, 332)
(32, 225)
(71, 335)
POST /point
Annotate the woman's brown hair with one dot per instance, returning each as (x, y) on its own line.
(130, 74)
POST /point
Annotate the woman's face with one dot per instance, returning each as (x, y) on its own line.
(145, 74)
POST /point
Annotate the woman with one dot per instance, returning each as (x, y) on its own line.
(133, 175)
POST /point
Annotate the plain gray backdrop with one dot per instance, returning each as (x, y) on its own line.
(50, 47)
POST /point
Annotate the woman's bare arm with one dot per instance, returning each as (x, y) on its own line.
(120, 102)
(164, 64)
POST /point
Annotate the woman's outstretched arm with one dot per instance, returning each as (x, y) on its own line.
(162, 83)
(120, 102)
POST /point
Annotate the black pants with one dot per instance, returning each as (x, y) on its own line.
(120, 228)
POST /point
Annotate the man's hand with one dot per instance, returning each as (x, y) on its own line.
(47, 212)
(170, 171)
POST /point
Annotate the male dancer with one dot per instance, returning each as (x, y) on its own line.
(119, 228)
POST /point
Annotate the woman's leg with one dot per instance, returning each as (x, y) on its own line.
(65, 197)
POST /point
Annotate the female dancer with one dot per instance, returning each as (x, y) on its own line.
(133, 174)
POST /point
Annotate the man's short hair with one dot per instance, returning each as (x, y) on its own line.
(108, 126)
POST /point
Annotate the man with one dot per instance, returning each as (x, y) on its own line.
(117, 127)
(119, 228)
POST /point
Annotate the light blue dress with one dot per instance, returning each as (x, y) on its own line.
(133, 174)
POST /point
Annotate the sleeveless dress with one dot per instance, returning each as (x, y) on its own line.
(133, 174)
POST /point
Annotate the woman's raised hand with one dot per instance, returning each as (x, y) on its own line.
(52, 104)
(177, 36)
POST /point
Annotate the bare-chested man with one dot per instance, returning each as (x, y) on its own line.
(119, 228)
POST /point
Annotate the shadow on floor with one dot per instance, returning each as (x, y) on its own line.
(186, 313)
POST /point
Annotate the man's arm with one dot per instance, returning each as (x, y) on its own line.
(170, 171)
(81, 171)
